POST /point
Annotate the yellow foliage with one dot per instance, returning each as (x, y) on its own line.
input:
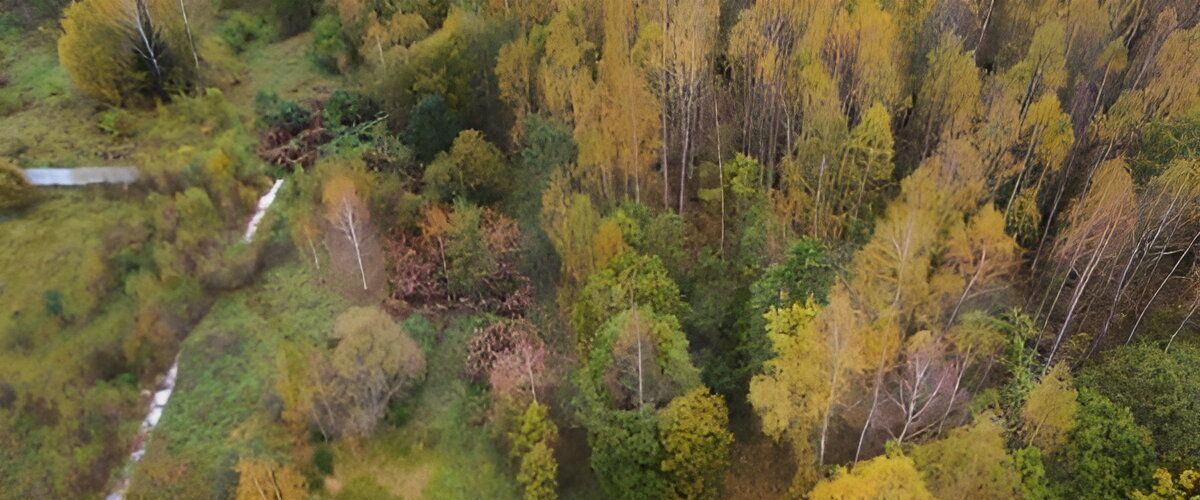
(1049, 410)
(608, 243)
(894, 478)
(99, 42)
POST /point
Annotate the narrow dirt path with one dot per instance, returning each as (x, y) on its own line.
(158, 404)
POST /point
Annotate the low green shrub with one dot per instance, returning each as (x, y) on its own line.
(276, 112)
(116, 122)
(346, 109)
(330, 49)
(15, 191)
(242, 30)
(323, 459)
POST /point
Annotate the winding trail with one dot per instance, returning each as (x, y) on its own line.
(158, 403)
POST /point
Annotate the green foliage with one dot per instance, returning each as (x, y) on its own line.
(1163, 142)
(538, 473)
(639, 359)
(807, 272)
(473, 167)
(432, 126)
(115, 122)
(546, 144)
(532, 446)
(52, 303)
(469, 260)
(330, 49)
(1021, 360)
(364, 488)
(1107, 455)
(630, 279)
(658, 234)
(276, 112)
(229, 376)
(242, 30)
(346, 109)
(970, 463)
(1034, 485)
(374, 362)
(627, 455)
(695, 438)
(293, 16)
(455, 62)
(1159, 388)
(323, 459)
(15, 191)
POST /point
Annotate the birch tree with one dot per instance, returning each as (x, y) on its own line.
(1099, 231)
(127, 51)
(348, 216)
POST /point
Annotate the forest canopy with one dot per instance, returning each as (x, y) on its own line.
(604, 249)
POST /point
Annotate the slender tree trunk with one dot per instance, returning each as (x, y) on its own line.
(962, 370)
(191, 41)
(983, 29)
(1080, 287)
(967, 289)
(874, 404)
(720, 170)
(349, 214)
(1181, 324)
(313, 249)
(1183, 254)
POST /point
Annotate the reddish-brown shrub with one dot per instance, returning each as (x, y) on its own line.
(509, 356)
(280, 146)
(419, 267)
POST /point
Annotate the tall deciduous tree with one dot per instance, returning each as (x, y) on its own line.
(695, 437)
(348, 216)
(790, 396)
(533, 447)
(948, 94)
(374, 361)
(881, 477)
(1048, 414)
(127, 51)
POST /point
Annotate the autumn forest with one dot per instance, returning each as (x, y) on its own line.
(823, 249)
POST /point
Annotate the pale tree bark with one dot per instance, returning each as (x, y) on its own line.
(350, 224)
(145, 27)
(1182, 324)
(191, 41)
(1183, 254)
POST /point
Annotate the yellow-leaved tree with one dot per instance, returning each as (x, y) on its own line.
(129, 51)
(881, 477)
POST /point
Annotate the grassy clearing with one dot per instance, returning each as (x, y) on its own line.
(48, 249)
(441, 450)
(223, 404)
(61, 339)
(42, 122)
(298, 78)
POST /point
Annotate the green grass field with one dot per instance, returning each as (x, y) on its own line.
(62, 337)
(222, 405)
